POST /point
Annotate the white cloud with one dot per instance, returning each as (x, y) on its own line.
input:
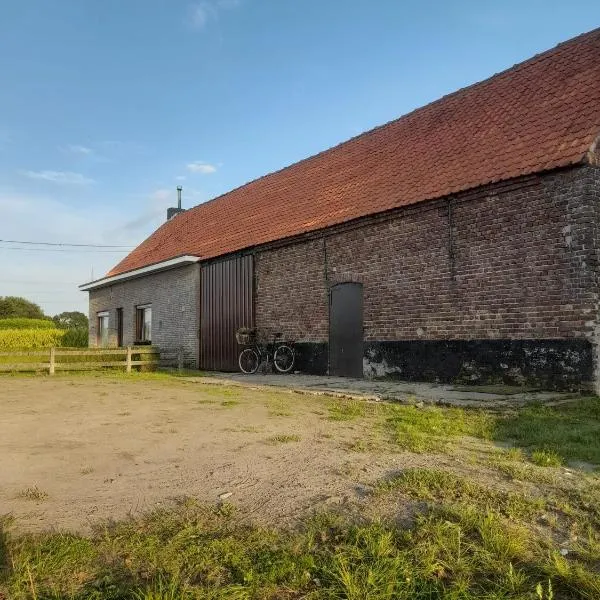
(202, 167)
(76, 149)
(50, 278)
(204, 12)
(62, 177)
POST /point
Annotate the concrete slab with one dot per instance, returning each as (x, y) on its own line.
(398, 391)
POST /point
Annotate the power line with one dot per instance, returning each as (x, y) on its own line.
(39, 281)
(57, 250)
(66, 244)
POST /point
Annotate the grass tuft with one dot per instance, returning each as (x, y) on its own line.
(33, 493)
(283, 439)
(546, 458)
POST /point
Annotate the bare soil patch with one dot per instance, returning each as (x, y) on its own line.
(80, 449)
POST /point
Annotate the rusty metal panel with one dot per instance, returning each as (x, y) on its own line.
(227, 303)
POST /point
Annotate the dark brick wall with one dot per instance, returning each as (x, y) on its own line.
(514, 261)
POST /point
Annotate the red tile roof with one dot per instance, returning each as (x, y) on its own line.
(538, 115)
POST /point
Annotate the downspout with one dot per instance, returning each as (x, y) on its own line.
(451, 256)
(327, 295)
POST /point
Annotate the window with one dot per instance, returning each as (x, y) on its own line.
(120, 327)
(143, 324)
(102, 329)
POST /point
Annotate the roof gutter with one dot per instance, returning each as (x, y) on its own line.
(165, 265)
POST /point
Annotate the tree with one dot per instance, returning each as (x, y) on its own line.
(71, 320)
(13, 306)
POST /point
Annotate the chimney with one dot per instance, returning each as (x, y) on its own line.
(171, 212)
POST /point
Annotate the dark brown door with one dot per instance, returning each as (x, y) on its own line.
(226, 305)
(346, 330)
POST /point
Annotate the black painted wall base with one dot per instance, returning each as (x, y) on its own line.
(311, 357)
(548, 364)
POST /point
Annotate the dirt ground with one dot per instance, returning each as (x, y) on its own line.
(76, 450)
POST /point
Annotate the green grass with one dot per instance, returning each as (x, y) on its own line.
(431, 429)
(194, 552)
(565, 432)
(551, 435)
(349, 409)
(230, 403)
(546, 458)
(448, 488)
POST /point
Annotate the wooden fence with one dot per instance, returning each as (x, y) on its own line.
(76, 359)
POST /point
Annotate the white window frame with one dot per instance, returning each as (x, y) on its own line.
(143, 328)
(102, 324)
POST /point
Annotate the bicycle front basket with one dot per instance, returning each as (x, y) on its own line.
(245, 336)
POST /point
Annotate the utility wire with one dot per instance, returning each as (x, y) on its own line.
(57, 250)
(65, 244)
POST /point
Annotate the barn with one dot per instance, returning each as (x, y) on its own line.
(457, 243)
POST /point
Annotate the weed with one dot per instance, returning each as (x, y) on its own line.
(230, 403)
(86, 470)
(283, 439)
(546, 458)
(33, 493)
(280, 413)
(361, 445)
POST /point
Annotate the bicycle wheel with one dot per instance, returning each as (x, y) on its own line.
(249, 361)
(283, 359)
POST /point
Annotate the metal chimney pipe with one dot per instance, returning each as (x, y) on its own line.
(179, 188)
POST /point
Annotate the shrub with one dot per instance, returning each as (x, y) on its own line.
(30, 339)
(24, 323)
(75, 338)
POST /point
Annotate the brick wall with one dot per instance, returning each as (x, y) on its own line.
(174, 296)
(514, 261)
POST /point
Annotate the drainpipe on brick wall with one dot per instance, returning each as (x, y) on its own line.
(451, 240)
(327, 298)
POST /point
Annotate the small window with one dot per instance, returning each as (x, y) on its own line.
(143, 324)
(102, 330)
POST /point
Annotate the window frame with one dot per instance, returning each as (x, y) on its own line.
(143, 326)
(120, 327)
(102, 328)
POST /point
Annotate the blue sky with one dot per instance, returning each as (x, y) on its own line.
(105, 107)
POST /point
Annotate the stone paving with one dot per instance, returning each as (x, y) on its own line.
(496, 396)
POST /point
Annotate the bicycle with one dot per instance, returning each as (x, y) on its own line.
(256, 353)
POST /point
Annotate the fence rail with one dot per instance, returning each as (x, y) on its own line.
(130, 357)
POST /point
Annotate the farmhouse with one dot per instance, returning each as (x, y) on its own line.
(458, 242)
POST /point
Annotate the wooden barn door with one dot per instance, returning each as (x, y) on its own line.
(227, 303)
(346, 330)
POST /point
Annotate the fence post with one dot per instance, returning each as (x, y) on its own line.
(128, 367)
(180, 359)
(52, 360)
